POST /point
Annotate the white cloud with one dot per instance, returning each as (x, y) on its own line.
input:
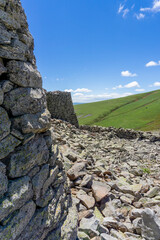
(128, 74)
(152, 64)
(140, 16)
(125, 12)
(121, 7)
(155, 7)
(79, 90)
(129, 85)
(156, 84)
(99, 97)
(140, 90)
(83, 90)
(132, 84)
(78, 94)
(122, 10)
(119, 86)
(69, 90)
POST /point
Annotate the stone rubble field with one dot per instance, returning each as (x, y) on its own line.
(115, 180)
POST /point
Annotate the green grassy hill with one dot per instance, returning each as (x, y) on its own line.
(139, 112)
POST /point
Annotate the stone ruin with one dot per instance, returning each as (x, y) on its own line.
(61, 107)
(35, 200)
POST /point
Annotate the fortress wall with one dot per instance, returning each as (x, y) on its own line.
(35, 200)
(60, 106)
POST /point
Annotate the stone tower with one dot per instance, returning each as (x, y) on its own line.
(35, 201)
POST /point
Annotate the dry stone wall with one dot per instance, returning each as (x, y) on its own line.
(61, 107)
(35, 201)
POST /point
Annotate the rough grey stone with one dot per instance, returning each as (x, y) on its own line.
(2, 68)
(35, 123)
(19, 192)
(6, 86)
(8, 21)
(45, 219)
(1, 96)
(150, 225)
(52, 175)
(5, 124)
(9, 52)
(19, 222)
(2, 3)
(61, 107)
(7, 145)
(5, 36)
(25, 100)
(35, 152)
(3, 184)
(105, 236)
(39, 179)
(2, 168)
(89, 226)
(44, 200)
(24, 74)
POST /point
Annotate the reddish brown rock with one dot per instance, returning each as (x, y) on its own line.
(100, 190)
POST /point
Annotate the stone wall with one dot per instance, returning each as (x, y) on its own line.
(35, 201)
(61, 107)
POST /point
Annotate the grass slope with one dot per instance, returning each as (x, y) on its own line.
(139, 112)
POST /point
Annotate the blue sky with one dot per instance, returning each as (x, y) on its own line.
(96, 49)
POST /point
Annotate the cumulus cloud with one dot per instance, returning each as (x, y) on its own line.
(155, 7)
(79, 90)
(152, 64)
(99, 97)
(140, 16)
(140, 90)
(156, 84)
(129, 85)
(128, 74)
(132, 84)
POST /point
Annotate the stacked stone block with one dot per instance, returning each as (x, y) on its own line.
(35, 200)
(60, 106)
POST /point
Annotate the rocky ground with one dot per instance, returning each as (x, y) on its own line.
(115, 180)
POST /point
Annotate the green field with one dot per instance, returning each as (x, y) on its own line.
(139, 112)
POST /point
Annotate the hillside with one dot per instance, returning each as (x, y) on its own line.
(139, 112)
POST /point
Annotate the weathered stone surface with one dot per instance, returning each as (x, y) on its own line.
(19, 222)
(1, 96)
(88, 201)
(3, 184)
(25, 100)
(7, 145)
(2, 68)
(100, 190)
(61, 107)
(76, 171)
(24, 74)
(2, 168)
(5, 124)
(6, 86)
(89, 226)
(150, 225)
(35, 152)
(39, 179)
(105, 236)
(2, 3)
(35, 123)
(19, 192)
(52, 176)
(46, 198)
(8, 21)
